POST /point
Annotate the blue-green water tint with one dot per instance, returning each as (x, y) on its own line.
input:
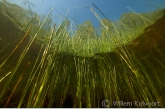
(123, 63)
(78, 10)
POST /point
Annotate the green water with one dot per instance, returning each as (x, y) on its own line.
(55, 74)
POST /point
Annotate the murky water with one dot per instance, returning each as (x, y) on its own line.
(41, 73)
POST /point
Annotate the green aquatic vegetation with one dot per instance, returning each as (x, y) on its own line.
(15, 48)
(85, 69)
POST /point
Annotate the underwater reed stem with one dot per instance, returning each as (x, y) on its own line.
(16, 46)
(16, 85)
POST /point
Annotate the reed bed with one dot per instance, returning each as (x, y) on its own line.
(83, 70)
